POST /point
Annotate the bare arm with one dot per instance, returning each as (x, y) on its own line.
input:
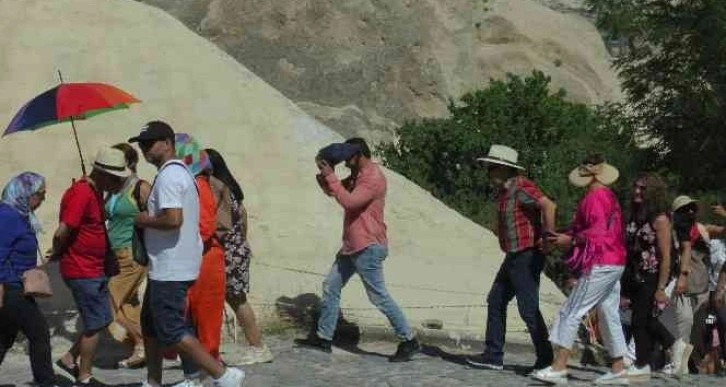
(716, 231)
(549, 211)
(663, 236)
(168, 219)
(61, 240)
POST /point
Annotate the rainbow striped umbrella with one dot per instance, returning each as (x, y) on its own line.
(69, 102)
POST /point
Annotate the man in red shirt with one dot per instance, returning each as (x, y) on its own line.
(522, 207)
(80, 244)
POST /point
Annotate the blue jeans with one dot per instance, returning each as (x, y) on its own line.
(518, 276)
(368, 263)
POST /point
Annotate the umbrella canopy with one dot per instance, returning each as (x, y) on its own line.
(69, 101)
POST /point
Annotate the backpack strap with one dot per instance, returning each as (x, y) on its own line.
(136, 194)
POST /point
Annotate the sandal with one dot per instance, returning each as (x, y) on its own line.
(138, 359)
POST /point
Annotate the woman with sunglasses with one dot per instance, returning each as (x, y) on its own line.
(648, 243)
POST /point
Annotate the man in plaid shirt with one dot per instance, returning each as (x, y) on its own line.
(522, 208)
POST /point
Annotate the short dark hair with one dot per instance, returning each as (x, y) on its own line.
(362, 144)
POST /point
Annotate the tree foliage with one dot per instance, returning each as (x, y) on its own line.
(674, 74)
(551, 134)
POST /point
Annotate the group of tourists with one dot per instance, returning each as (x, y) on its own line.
(656, 275)
(152, 263)
(155, 263)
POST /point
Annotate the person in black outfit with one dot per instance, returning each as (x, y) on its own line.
(648, 238)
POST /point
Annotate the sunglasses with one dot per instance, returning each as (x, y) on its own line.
(145, 145)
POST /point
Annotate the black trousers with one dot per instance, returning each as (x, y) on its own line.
(21, 314)
(646, 328)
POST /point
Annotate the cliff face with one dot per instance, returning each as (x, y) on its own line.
(364, 66)
(440, 263)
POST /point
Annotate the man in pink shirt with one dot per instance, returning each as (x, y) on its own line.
(363, 197)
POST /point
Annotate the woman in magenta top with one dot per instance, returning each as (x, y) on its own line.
(596, 255)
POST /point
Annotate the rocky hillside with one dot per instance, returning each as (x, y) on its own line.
(364, 66)
(440, 263)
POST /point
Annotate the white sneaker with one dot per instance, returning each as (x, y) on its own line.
(549, 376)
(641, 374)
(255, 355)
(233, 377)
(146, 383)
(677, 356)
(668, 370)
(188, 383)
(619, 379)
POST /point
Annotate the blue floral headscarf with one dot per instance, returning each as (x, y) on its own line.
(17, 195)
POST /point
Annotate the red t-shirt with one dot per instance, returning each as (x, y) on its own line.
(81, 210)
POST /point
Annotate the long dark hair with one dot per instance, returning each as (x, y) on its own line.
(655, 201)
(221, 172)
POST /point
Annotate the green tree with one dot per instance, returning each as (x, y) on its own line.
(551, 134)
(674, 74)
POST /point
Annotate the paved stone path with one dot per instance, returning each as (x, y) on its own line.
(365, 365)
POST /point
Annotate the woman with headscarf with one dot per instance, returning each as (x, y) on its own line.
(206, 296)
(121, 207)
(18, 253)
(232, 230)
(597, 255)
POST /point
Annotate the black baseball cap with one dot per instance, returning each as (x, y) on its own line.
(154, 130)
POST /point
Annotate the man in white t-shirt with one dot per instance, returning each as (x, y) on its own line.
(174, 246)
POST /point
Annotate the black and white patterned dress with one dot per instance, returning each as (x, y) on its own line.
(237, 254)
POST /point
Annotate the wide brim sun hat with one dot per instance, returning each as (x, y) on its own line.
(584, 174)
(502, 155)
(191, 153)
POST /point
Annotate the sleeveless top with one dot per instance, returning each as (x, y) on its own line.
(121, 208)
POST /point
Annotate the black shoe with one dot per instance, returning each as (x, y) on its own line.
(483, 362)
(93, 382)
(71, 371)
(315, 342)
(405, 351)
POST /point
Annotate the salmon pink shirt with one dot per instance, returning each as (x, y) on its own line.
(363, 200)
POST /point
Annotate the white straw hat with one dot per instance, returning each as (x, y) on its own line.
(502, 155)
(112, 161)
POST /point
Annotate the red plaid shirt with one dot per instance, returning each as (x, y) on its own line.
(520, 222)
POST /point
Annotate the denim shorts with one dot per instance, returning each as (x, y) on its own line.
(93, 301)
(164, 315)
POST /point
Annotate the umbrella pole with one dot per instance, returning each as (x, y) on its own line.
(78, 145)
(75, 134)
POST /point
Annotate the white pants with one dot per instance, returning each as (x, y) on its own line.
(600, 288)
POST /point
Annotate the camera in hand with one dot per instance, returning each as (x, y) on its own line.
(337, 152)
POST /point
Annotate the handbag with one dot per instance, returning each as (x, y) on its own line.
(36, 282)
(698, 278)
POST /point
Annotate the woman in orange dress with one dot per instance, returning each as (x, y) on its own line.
(206, 296)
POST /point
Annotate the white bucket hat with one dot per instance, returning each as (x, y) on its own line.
(112, 161)
(502, 155)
